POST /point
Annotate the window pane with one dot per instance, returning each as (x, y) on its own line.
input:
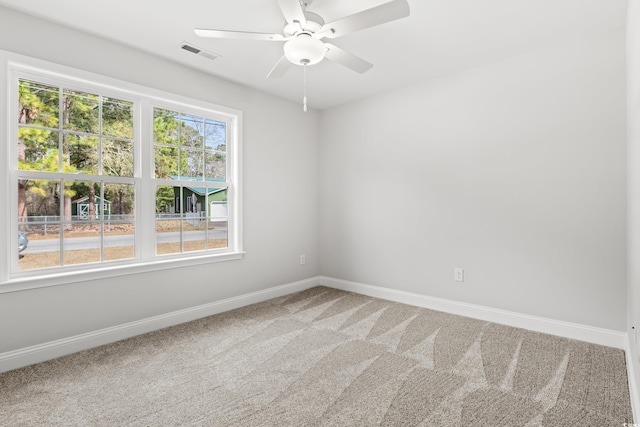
(119, 226)
(194, 231)
(167, 235)
(39, 220)
(166, 162)
(38, 149)
(119, 202)
(80, 154)
(166, 200)
(194, 224)
(80, 111)
(168, 217)
(83, 207)
(215, 164)
(192, 131)
(43, 250)
(86, 202)
(217, 234)
(117, 118)
(37, 199)
(165, 126)
(117, 157)
(215, 135)
(81, 242)
(119, 240)
(192, 162)
(218, 214)
(38, 104)
(218, 210)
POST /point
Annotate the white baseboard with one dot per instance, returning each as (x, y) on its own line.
(634, 387)
(51, 350)
(539, 324)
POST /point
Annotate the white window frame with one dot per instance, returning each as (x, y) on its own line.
(14, 66)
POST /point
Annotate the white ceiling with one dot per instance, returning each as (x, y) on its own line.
(439, 37)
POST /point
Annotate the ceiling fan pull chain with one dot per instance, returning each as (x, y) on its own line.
(304, 98)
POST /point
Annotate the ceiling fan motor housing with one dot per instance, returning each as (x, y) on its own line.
(304, 49)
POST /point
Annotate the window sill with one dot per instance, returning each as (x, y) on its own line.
(102, 272)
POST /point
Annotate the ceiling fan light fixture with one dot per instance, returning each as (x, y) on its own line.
(304, 49)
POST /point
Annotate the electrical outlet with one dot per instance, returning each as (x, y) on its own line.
(458, 274)
(303, 259)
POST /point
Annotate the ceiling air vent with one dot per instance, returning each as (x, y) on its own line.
(193, 49)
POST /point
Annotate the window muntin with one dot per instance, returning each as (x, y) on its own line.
(101, 149)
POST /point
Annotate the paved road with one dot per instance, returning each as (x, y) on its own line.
(80, 243)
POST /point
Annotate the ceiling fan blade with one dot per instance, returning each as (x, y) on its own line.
(386, 12)
(347, 59)
(292, 11)
(224, 34)
(280, 68)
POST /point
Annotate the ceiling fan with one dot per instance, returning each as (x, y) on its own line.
(304, 31)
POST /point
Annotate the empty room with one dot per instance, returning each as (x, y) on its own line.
(320, 213)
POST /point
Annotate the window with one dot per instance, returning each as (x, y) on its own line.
(113, 174)
(191, 151)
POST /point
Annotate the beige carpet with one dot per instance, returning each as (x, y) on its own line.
(324, 357)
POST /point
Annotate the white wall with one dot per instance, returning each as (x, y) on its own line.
(514, 171)
(280, 222)
(633, 103)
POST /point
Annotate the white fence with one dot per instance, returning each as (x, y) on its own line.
(44, 222)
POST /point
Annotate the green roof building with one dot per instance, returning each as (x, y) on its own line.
(194, 199)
